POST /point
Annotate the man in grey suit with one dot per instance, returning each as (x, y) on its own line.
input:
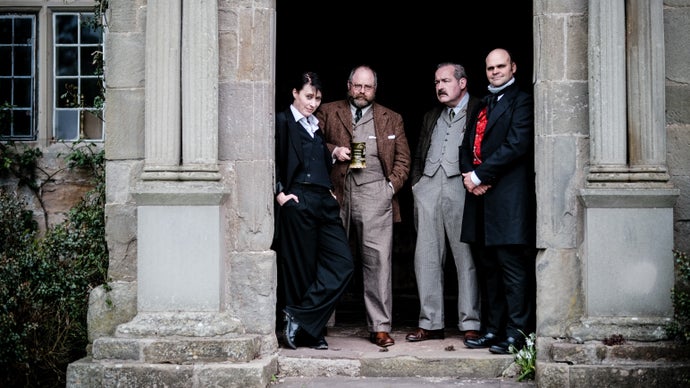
(439, 198)
(368, 195)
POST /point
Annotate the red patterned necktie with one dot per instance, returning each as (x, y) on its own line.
(478, 137)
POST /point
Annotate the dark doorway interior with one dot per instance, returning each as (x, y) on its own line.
(403, 44)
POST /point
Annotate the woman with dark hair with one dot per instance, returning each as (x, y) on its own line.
(314, 259)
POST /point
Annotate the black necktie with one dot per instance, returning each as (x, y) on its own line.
(493, 100)
(451, 113)
(358, 114)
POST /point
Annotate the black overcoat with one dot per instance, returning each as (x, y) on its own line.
(507, 149)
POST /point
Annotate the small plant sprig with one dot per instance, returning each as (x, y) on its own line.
(526, 358)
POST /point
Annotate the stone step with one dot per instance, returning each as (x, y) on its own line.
(88, 373)
(351, 354)
(178, 350)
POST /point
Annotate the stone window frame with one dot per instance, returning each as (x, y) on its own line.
(85, 113)
(13, 78)
(44, 99)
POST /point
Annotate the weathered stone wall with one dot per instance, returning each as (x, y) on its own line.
(59, 187)
(676, 27)
(561, 128)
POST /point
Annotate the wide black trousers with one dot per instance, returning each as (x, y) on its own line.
(315, 261)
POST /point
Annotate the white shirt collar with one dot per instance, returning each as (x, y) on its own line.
(311, 123)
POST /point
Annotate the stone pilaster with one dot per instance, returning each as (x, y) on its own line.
(646, 90)
(607, 128)
(628, 202)
(200, 91)
(163, 97)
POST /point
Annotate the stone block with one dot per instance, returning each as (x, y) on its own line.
(677, 46)
(558, 169)
(678, 143)
(677, 97)
(243, 132)
(86, 373)
(552, 375)
(560, 6)
(147, 375)
(227, 63)
(559, 295)
(121, 349)
(121, 229)
(255, 374)
(124, 60)
(550, 58)
(626, 376)
(127, 16)
(563, 108)
(108, 309)
(576, 63)
(201, 350)
(121, 175)
(124, 117)
(255, 218)
(251, 290)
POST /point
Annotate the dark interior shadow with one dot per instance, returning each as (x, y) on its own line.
(403, 44)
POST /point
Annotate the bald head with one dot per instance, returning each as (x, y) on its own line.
(500, 68)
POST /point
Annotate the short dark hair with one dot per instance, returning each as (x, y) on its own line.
(308, 78)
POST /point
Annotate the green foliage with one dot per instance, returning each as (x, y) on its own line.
(679, 328)
(526, 358)
(20, 163)
(46, 282)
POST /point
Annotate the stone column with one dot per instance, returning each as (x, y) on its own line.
(163, 125)
(607, 128)
(646, 90)
(200, 90)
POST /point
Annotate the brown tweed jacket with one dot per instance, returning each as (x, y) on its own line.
(335, 119)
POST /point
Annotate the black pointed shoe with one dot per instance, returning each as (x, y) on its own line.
(503, 347)
(320, 344)
(290, 330)
(485, 341)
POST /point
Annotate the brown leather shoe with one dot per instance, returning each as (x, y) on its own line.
(471, 334)
(423, 335)
(381, 339)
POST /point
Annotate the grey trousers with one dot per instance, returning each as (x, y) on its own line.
(439, 202)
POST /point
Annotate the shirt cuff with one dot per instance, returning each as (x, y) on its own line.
(475, 179)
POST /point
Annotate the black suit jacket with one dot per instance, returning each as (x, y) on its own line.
(507, 149)
(289, 157)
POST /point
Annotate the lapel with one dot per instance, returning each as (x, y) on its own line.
(380, 120)
(501, 106)
(344, 114)
(293, 133)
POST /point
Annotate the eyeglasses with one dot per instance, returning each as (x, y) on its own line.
(366, 88)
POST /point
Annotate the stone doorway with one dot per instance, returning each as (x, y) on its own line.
(404, 46)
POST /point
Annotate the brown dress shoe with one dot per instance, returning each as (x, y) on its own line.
(381, 339)
(471, 334)
(423, 335)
